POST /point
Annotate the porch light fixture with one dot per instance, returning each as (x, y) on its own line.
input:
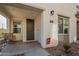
(52, 12)
(77, 14)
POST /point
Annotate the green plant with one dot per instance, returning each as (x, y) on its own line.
(66, 46)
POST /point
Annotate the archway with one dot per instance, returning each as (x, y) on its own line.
(3, 22)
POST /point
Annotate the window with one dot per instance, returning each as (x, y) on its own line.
(3, 22)
(63, 24)
(16, 27)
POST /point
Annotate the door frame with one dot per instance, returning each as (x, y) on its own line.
(26, 30)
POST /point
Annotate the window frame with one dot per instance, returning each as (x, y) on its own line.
(17, 27)
(64, 17)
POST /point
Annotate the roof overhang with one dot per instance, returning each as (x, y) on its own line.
(23, 6)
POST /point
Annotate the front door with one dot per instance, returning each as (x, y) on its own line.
(30, 29)
(77, 30)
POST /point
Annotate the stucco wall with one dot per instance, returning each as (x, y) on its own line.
(65, 9)
(38, 28)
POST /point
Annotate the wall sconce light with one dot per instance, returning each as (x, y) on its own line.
(77, 15)
(52, 12)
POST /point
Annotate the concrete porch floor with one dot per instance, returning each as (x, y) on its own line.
(26, 49)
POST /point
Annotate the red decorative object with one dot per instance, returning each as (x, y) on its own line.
(48, 40)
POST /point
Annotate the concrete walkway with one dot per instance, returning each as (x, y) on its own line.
(25, 49)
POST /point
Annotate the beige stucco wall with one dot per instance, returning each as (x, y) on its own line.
(38, 28)
(48, 29)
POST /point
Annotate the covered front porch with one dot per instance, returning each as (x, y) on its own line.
(24, 27)
(23, 22)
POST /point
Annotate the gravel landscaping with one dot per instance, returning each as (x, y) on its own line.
(60, 51)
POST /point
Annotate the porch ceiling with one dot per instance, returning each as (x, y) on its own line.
(4, 11)
(20, 10)
(19, 5)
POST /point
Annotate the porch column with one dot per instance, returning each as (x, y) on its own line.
(44, 20)
(49, 29)
(24, 30)
(8, 25)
